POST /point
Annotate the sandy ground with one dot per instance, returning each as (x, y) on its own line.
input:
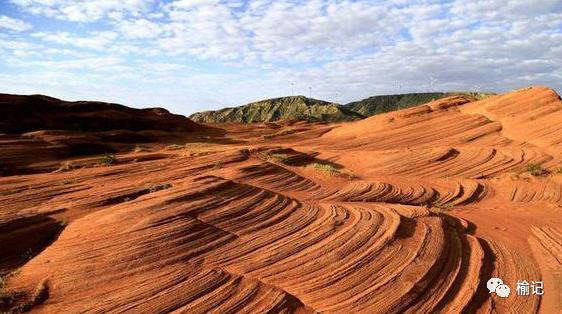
(406, 212)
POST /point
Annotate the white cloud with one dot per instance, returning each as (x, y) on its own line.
(188, 4)
(13, 24)
(357, 48)
(95, 40)
(84, 10)
(140, 29)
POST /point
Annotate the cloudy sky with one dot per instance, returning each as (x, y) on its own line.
(192, 55)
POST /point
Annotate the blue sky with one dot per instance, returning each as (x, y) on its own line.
(193, 55)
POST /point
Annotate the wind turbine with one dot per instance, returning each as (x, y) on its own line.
(432, 82)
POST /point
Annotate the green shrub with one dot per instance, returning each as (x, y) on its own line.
(65, 166)
(441, 207)
(159, 187)
(174, 147)
(327, 168)
(535, 169)
(108, 159)
(331, 170)
(39, 296)
(138, 149)
(41, 293)
(200, 149)
(273, 157)
(67, 181)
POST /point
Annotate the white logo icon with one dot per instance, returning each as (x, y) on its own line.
(495, 285)
(502, 291)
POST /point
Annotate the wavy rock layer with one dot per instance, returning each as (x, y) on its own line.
(406, 212)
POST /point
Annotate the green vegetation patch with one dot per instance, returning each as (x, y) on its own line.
(330, 169)
(200, 148)
(275, 157)
(386, 103)
(174, 147)
(279, 109)
(535, 169)
(159, 187)
(65, 166)
(139, 149)
(440, 208)
(327, 168)
(20, 302)
(108, 160)
(68, 181)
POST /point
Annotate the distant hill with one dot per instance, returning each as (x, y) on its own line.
(308, 109)
(385, 103)
(25, 113)
(283, 108)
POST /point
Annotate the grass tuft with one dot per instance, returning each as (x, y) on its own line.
(331, 170)
(65, 166)
(159, 187)
(20, 302)
(200, 149)
(68, 181)
(274, 157)
(174, 147)
(139, 149)
(39, 296)
(440, 208)
(7, 298)
(535, 169)
(108, 159)
(327, 168)
(41, 293)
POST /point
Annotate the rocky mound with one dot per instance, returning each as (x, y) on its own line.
(277, 109)
(22, 114)
(386, 103)
(36, 131)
